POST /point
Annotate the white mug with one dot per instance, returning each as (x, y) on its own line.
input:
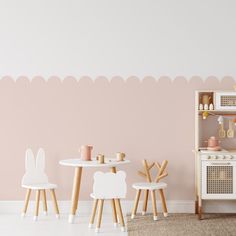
(200, 106)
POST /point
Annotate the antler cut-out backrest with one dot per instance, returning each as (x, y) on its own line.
(161, 170)
(34, 169)
(161, 173)
(109, 185)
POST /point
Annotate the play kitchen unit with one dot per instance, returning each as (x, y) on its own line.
(215, 147)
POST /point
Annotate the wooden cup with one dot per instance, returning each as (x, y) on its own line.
(120, 156)
(101, 159)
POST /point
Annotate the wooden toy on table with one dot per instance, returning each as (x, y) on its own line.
(108, 186)
(36, 179)
(150, 187)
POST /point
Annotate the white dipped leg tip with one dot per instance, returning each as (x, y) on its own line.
(22, 214)
(71, 219)
(115, 225)
(45, 213)
(90, 225)
(57, 216)
(165, 214)
(132, 216)
(123, 229)
(143, 213)
(97, 230)
(35, 218)
(154, 217)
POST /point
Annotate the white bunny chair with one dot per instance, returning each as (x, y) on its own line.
(36, 179)
(108, 186)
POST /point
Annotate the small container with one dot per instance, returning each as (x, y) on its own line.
(200, 106)
(213, 142)
(85, 152)
(120, 156)
(211, 107)
(205, 106)
(101, 159)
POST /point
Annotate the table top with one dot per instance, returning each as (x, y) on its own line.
(109, 162)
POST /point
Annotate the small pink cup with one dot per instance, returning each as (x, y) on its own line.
(86, 152)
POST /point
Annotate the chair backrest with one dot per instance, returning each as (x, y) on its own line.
(109, 185)
(34, 169)
(161, 170)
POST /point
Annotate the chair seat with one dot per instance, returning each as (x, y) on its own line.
(149, 186)
(40, 186)
(104, 198)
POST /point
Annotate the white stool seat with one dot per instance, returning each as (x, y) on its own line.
(104, 198)
(40, 186)
(149, 186)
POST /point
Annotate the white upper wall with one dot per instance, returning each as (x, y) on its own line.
(122, 37)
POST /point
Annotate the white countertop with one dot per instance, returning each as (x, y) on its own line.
(77, 162)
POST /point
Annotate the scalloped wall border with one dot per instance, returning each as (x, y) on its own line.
(120, 78)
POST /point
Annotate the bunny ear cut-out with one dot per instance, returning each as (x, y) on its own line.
(29, 160)
(40, 160)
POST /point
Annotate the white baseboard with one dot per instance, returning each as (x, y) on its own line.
(85, 207)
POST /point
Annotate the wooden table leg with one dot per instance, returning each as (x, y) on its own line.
(75, 193)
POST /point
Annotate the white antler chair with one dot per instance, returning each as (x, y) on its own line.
(36, 179)
(108, 186)
(151, 186)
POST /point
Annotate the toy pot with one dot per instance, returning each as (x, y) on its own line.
(85, 152)
(213, 142)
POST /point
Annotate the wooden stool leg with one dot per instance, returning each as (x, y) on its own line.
(163, 201)
(136, 203)
(154, 206)
(75, 193)
(37, 205)
(54, 199)
(27, 198)
(114, 213)
(45, 207)
(95, 204)
(146, 192)
(120, 214)
(99, 220)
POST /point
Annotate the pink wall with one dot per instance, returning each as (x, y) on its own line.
(151, 119)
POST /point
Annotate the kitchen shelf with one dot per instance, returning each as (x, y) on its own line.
(220, 179)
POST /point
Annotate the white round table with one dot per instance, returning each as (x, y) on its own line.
(79, 164)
